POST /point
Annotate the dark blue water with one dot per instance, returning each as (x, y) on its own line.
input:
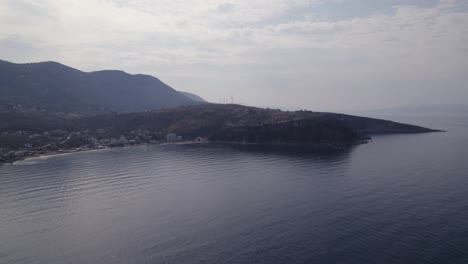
(399, 199)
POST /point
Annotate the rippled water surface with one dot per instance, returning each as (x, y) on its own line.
(398, 199)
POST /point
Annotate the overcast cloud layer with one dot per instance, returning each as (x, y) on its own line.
(334, 55)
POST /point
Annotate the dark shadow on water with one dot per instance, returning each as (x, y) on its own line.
(65, 170)
(323, 154)
(292, 150)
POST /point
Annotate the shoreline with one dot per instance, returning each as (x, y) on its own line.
(49, 154)
(78, 150)
(74, 151)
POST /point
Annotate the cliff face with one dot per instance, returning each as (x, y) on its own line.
(307, 132)
(371, 126)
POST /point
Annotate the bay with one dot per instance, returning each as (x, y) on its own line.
(398, 199)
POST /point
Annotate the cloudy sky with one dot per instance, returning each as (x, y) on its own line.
(336, 55)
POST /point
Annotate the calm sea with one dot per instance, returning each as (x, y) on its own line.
(398, 199)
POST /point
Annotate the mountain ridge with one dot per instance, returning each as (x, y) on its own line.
(52, 86)
(194, 97)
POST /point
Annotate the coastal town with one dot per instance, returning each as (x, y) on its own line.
(18, 145)
(48, 135)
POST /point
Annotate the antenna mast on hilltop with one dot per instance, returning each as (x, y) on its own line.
(225, 100)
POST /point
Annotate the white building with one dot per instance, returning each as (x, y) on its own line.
(171, 137)
(119, 142)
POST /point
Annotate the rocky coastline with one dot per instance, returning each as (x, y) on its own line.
(31, 134)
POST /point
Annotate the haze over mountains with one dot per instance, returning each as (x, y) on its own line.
(424, 110)
(52, 86)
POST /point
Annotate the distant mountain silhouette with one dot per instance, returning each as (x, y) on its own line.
(193, 97)
(429, 109)
(52, 86)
